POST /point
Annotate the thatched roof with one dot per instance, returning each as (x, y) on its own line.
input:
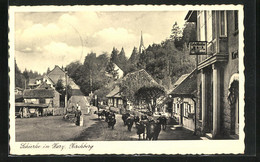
(141, 77)
(132, 82)
(188, 87)
(38, 93)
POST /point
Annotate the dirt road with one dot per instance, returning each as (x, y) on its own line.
(55, 128)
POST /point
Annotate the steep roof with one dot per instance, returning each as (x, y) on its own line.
(142, 77)
(48, 78)
(180, 80)
(44, 85)
(57, 73)
(188, 87)
(132, 82)
(114, 93)
(38, 93)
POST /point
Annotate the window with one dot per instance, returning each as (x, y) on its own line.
(42, 101)
(201, 26)
(236, 20)
(223, 23)
(186, 109)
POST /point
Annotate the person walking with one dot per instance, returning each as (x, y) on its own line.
(77, 115)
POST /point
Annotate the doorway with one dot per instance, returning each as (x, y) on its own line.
(234, 105)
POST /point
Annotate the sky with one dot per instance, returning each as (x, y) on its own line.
(46, 39)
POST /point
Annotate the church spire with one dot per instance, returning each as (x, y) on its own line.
(141, 47)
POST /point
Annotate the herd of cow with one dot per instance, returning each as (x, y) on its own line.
(146, 126)
(110, 117)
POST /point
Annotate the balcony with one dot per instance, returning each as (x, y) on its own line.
(217, 51)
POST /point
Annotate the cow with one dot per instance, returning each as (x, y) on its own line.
(129, 122)
(140, 126)
(124, 117)
(100, 114)
(162, 120)
(106, 115)
(111, 120)
(153, 129)
(136, 119)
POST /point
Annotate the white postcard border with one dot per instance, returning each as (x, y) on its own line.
(127, 147)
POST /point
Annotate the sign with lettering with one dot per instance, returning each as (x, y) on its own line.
(198, 48)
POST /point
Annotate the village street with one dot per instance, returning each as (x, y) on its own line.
(55, 128)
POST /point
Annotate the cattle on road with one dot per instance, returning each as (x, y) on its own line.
(129, 122)
(162, 120)
(124, 117)
(153, 130)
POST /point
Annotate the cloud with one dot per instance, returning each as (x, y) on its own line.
(50, 38)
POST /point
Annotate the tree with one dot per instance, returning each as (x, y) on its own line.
(26, 77)
(61, 88)
(175, 32)
(111, 69)
(19, 80)
(176, 36)
(122, 60)
(189, 33)
(150, 96)
(134, 56)
(114, 56)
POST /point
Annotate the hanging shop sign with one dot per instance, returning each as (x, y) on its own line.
(198, 48)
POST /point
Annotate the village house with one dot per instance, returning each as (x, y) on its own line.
(217, 84)
(59, 74)
(184, 100)
(115, 98)
(133, 81)
(42, 95)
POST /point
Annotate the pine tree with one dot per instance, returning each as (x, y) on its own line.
(134, 56)
(114, 56)
(18, 77)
